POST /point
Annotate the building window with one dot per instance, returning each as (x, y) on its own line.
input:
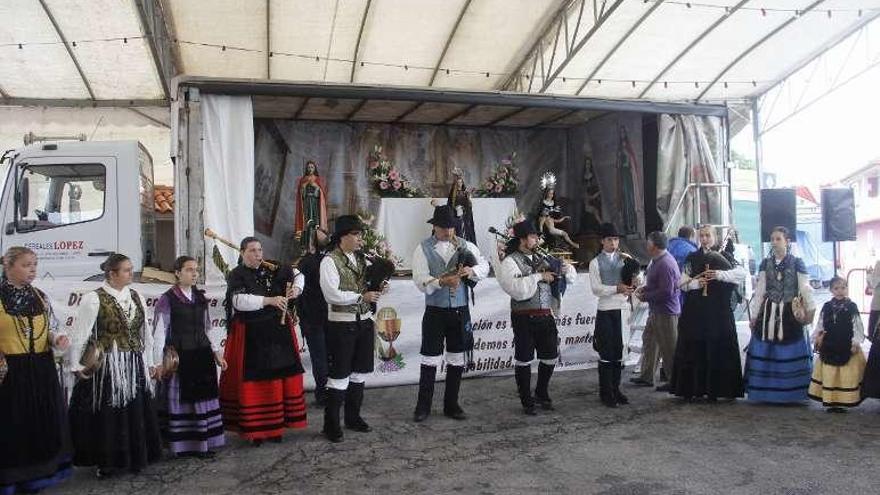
(872, 186)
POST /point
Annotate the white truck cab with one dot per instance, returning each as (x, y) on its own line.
(74, 203)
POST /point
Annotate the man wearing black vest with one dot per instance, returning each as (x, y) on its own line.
(444, 266)
(312, 311)
(535, 298)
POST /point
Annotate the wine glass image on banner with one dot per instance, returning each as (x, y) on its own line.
(388, 327)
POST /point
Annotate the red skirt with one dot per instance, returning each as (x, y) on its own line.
(258, 410)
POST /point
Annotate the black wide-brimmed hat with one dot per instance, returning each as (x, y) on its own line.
(608, 230)
(347, 224)
(444, 217)
(524, 229)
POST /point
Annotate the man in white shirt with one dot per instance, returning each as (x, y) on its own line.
(534, 299)
(444, 266)
(349, 334)
(611, 316)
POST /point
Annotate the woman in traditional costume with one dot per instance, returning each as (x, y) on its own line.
(778, 362)
(707, 360)
(311, 205)
(112, 414)
(261, 391)
(838, 337)
(460, 200)
(34, 437)
(190, 412)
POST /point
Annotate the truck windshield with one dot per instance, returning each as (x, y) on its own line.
(61, 195)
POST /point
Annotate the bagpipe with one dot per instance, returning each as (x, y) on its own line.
(549, 263)
(377, 273)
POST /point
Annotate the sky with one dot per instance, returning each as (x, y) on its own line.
(836, 136)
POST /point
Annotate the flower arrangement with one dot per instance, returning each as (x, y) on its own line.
(503, 182)
(387, 180)
(375, 243)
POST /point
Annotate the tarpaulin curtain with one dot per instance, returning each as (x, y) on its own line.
(690, 155)
(228, 150)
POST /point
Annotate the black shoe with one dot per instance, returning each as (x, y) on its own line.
(451, 409)
(210, 454)
(102, 473)
(358, 425)
(639, 382)
(663, 388)
(621, 399)
(257, 442)
(278, 439)
(545, 403)
(529, 410)
(427, 375)
(457, 414)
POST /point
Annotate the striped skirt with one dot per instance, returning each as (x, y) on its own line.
(258, 410)
(190, 427)
(776, 371)
(838, 386)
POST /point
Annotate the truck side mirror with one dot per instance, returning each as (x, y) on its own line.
(23, 196)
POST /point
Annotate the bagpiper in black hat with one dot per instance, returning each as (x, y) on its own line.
(444, 217)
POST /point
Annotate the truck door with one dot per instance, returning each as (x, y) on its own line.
(65, 210)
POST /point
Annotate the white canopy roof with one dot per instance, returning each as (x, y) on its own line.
(125, 52)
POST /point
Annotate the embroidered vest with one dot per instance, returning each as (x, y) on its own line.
(114, 327)
(442, 298)
(609, 268)
(13, 341)
(781, 289)
(543, 297)
(351, 279)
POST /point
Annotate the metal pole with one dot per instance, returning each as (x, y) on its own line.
(756, 135)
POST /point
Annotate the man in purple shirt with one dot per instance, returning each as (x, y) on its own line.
(662, 295)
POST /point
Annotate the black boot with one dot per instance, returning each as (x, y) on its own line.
(332, 430)
(354, 398)
(451, 408)
(616, 371)
(606, 385)
(426, 392)
(542, 396)
(524, 385)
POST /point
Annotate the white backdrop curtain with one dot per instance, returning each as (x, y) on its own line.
(228, 150)
(691, 152)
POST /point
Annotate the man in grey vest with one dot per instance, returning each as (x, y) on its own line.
(444, 266)
(349, 334)
(526, 277)
(611, 315)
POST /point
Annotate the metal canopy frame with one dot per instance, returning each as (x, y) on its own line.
(357, 45)
(375, 92)
(693, 44)
(755, 45)
(69, 49)
(619, 43)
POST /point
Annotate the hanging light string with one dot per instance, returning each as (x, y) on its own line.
(366, 63)
(858, 11)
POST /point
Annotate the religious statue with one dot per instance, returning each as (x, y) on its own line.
(460, 200)
(549, 213)
(311, 205)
